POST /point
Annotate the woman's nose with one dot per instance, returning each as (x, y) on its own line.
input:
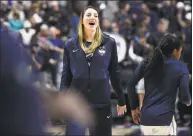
(92, 17)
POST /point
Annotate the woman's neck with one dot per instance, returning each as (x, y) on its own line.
(89, 35)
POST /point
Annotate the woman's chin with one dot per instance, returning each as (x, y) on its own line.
(91, 28)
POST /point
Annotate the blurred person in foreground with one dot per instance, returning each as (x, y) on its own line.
(90, 60)
(22, 108)
(163, 74)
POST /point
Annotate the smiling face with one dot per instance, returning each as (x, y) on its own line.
(90, 19)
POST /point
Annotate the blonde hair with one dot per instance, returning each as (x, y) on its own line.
(97, 38)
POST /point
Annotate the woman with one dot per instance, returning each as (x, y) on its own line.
(163, 75)
(90, 60)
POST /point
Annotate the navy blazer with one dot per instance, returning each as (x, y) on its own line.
(160, 92)
(92, 81)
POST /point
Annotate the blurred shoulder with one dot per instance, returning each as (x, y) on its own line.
(180, 66)
(70, 41)
(107, 38)
(183, 66)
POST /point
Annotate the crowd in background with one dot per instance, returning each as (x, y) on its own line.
(44, 26)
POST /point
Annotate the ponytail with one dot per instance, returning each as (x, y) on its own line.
(165, 48)
(150, 65)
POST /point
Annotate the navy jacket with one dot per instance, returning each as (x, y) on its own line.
(92, 81)
(160, 92)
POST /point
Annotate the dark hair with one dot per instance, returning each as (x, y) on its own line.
(165, 48)
(122, 4)
(16, 15)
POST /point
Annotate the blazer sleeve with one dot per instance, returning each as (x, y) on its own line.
(66, 78)
(114, 74)
(184, 92)
(137, 76)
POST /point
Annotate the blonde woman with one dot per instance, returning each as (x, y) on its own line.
(90, 60)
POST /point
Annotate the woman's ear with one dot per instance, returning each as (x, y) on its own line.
(177, 53)
(174, 52)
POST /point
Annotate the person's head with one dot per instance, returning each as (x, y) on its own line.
(124, 6)
(188, 18)
(89, 19)
(35, 8)
(180, 6)
(163, 25)
(16, 16)
(167, 3)
(170, 47)
(52, 32)
(106, 23)
(89, 23)
(44, 29)
(146, 20)
(142, 29)
(55, 5)
(145, 8)
(27, 24)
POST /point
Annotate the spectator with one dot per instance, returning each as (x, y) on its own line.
(140, 50)
(107, 25)
(16, 9)
(58, 17)
(27, 33)
(180, 15)
(123, 20)
(162, 29)
(16, 23)
(187, 33)
(153, 16)
(56, 51)
(43, 34)
(144, 23)
(37, 62)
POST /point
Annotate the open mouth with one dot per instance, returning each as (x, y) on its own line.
(91, 23)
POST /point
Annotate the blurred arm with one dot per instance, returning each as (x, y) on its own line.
(184, 92)
(133, 56)
(66, 78)
(138, 74)
(114, 73)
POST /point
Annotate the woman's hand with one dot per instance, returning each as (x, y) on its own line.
(121, 110)
(136, 115)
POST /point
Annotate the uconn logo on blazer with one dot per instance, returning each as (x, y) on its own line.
(102, 50)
